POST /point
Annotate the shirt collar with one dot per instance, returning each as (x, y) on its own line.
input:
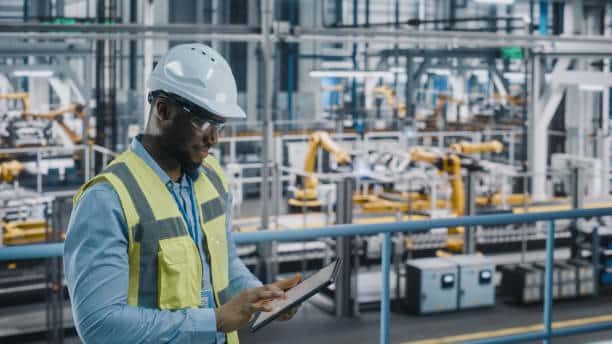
(137, 147)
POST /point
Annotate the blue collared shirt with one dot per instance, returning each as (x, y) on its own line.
(96, 266)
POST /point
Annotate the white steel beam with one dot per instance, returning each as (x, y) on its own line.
(543, 109)
(587, 79)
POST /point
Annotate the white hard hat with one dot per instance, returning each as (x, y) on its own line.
(200, 75)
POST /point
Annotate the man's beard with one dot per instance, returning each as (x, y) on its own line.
(183, 156)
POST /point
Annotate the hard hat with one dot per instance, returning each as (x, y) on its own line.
(199, 74)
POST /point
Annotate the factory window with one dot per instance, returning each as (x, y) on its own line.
(184, 14)
(238, 62)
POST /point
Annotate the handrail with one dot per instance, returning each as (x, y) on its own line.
(412, 226)
(56, 250)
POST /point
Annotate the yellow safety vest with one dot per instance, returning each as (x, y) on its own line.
(164, 262)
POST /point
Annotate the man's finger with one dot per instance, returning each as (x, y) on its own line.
(265, 292)
(266, 295)
(260, 307)
(289, 283)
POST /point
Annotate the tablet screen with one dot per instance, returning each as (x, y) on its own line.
(298, 293)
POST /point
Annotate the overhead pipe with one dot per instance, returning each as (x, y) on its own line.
(418, 22)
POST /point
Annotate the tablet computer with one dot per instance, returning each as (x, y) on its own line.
(298, 294)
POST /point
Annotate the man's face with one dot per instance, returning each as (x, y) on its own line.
(185, 141)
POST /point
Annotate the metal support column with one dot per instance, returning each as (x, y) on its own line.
(354, 94)
(292, 61)
(577, 194)
(54, 268)
(266, 53)
(469, 241)
(106, 88)
(548, 281)
(346, 289)
(385, 301)
(265, 249)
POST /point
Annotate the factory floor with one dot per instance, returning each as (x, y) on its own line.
(311, 325)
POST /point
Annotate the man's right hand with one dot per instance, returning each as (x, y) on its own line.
(238, 311)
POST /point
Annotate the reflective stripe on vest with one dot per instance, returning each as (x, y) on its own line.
(162, 255)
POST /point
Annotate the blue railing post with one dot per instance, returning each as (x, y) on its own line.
(548, 282)
(385, 299)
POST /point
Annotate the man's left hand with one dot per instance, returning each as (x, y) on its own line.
(285, 285)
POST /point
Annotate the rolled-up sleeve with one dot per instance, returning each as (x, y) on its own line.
(96, 266)
(240, 277)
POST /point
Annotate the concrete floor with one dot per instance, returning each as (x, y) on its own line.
(311, 325)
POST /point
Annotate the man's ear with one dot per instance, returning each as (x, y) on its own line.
(162, 110)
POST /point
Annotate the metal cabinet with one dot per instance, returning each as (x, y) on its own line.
(431, 285)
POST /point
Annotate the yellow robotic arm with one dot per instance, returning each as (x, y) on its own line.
(323, 140)
(465, 147)
(451, 164)
(58, 115)
(307, 197)
(10, 170)
(389, 95)
(22, 96)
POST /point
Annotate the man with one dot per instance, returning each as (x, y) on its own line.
(149, 255)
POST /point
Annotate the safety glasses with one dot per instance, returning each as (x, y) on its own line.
(205, 124)
(200, 119)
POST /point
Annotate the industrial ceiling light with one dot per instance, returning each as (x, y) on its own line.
(34, 73)
(440, 71)
(592, 88)
(495, 2)
(350, 74)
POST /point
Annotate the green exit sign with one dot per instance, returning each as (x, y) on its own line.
(64, 21)
(512, 53)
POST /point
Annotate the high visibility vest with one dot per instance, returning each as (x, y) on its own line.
(164, 262)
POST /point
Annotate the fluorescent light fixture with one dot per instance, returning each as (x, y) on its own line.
(495, 2)
(397, 70)
(34, 73)
(350, 74)
(596, 88)
(439, 71)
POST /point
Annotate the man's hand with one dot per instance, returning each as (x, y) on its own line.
(238, 311)
(288, 284)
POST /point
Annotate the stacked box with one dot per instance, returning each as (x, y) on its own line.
(571, 279)
(522, 283)
(585, 277)
(541, 267)
(567, 280)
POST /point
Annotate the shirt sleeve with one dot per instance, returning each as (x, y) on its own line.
(240, 277)
(97, 272)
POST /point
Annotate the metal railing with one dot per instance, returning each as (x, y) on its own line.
(51, 152)
(56, 250)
